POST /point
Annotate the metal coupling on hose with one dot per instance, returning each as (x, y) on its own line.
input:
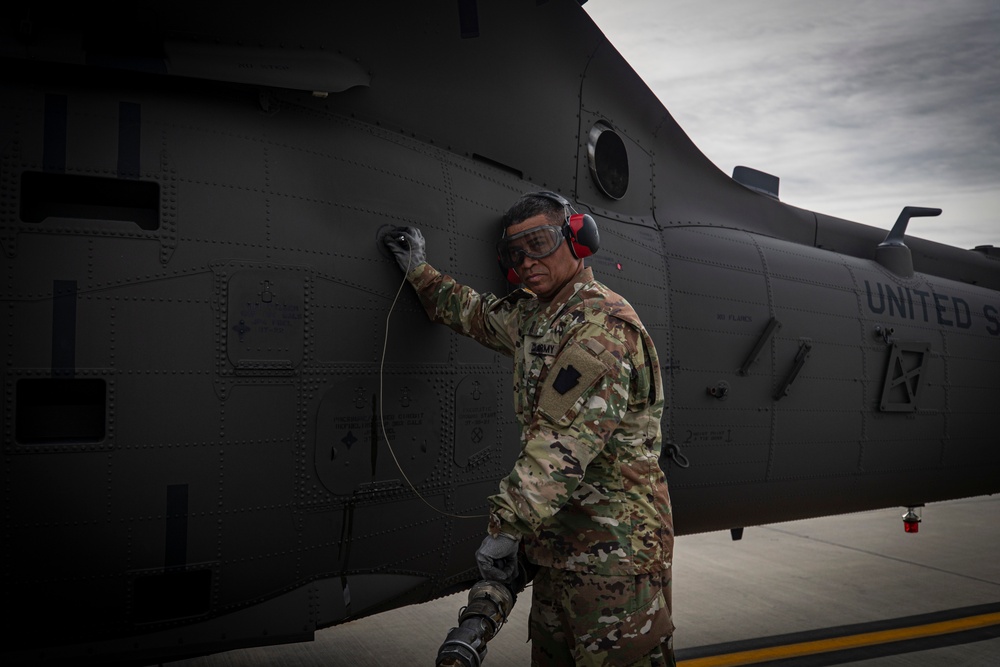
(490, 603)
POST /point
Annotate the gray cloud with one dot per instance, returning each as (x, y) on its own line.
(861, 107)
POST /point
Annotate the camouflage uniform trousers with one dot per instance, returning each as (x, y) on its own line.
(596, 620)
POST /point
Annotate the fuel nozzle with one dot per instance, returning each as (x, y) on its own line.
(490, 604)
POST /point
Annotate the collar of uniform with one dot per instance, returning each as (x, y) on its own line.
(547, 312)
(569, 290)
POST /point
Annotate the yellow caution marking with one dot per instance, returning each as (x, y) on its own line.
(844, 643)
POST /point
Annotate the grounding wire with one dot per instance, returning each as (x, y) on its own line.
(381, 377)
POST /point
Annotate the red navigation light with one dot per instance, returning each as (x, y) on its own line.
(911, 521)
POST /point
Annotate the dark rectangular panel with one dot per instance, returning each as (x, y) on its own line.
(60, 410)
(160, 597)
(177, 525)
(64, 328)
(45, 195)
(54, 150)
(468, 18)
(129, 134)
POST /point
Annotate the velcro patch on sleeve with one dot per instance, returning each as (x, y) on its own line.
(575, 371)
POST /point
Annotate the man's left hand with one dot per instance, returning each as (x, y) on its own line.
(497, 558)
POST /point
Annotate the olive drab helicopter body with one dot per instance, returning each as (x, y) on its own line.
(225, 424)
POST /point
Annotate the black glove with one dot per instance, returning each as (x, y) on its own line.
(407, 245)
(497, 558)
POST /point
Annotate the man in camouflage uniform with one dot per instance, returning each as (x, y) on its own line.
(586, 496)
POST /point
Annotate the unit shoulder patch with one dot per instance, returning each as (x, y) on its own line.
(575, 371)
(567, 378)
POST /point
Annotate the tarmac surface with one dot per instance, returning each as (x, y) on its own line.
(852, 589)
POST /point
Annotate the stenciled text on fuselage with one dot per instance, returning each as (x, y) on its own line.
(910, 303)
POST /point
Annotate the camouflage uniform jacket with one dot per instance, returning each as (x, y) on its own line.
(587, 492)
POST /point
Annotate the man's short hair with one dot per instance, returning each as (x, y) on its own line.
(530, 205)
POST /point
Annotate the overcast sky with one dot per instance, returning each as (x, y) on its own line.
(861, 107)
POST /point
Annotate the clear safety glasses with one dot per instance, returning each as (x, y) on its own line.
(536, 243)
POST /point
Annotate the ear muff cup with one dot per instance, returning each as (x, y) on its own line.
(581, 232)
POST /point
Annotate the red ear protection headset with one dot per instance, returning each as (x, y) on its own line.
(580, 231)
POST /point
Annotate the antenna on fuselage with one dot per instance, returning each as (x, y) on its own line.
(892, 253)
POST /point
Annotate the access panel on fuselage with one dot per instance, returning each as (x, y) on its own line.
(719, 309)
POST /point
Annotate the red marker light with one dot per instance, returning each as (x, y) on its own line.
(911, 521)
(619, 265)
